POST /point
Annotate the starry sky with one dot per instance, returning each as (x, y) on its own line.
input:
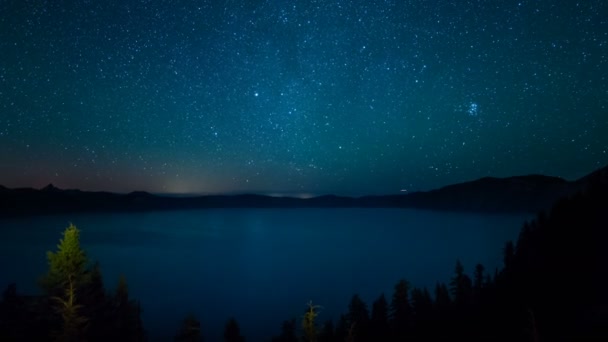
(299, 97)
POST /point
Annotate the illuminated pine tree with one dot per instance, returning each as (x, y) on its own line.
(66, 275)
(309, 324)
(67, 265)
(73, 324)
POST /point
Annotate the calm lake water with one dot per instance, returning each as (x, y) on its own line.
(259, 265)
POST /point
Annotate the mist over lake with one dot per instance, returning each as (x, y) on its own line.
(260, 266)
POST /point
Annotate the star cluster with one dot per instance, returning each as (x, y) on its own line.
(299, 97)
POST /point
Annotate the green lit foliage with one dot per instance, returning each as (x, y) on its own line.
(309, 324)
(79, 300)
(74, 305)
(67, 265)
(73, 322)
(66, 276)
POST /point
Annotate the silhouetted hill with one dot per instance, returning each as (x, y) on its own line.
(530, 193)
(50, 188)
(600, 175)
(522, 193)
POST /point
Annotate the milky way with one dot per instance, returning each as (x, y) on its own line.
(299, 97)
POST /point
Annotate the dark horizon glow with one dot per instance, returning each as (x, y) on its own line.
(302, 97)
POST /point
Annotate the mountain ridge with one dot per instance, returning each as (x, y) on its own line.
(526, 193)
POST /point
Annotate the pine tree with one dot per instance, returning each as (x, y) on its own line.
(461, 285)
(479, 289)
(379, 326)
(442, 311)
(66, 277)
(327, 333)
(12, 322)
(509, 255)
(342, 329)
(309, 324)
(126, 314)
(442, 297)
(68, 264)
(358, 317)
(401, 311)
(189, 331)
(422, 306)
(288, 332)
(95, 306)
(73, 325)
(479, 277)
(232, 333)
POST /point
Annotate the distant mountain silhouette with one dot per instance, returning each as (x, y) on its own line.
(600, 175)
(530, 193)
(50, 188)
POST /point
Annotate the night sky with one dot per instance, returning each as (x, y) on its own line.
(299, 97)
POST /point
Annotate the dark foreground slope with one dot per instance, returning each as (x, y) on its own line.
(558, 268)
(552, 287)
(514, 194)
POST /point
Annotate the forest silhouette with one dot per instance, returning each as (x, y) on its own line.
(551, 287)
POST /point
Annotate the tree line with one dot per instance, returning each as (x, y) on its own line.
(551, 287)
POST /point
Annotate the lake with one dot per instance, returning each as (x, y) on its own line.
(260, 266)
